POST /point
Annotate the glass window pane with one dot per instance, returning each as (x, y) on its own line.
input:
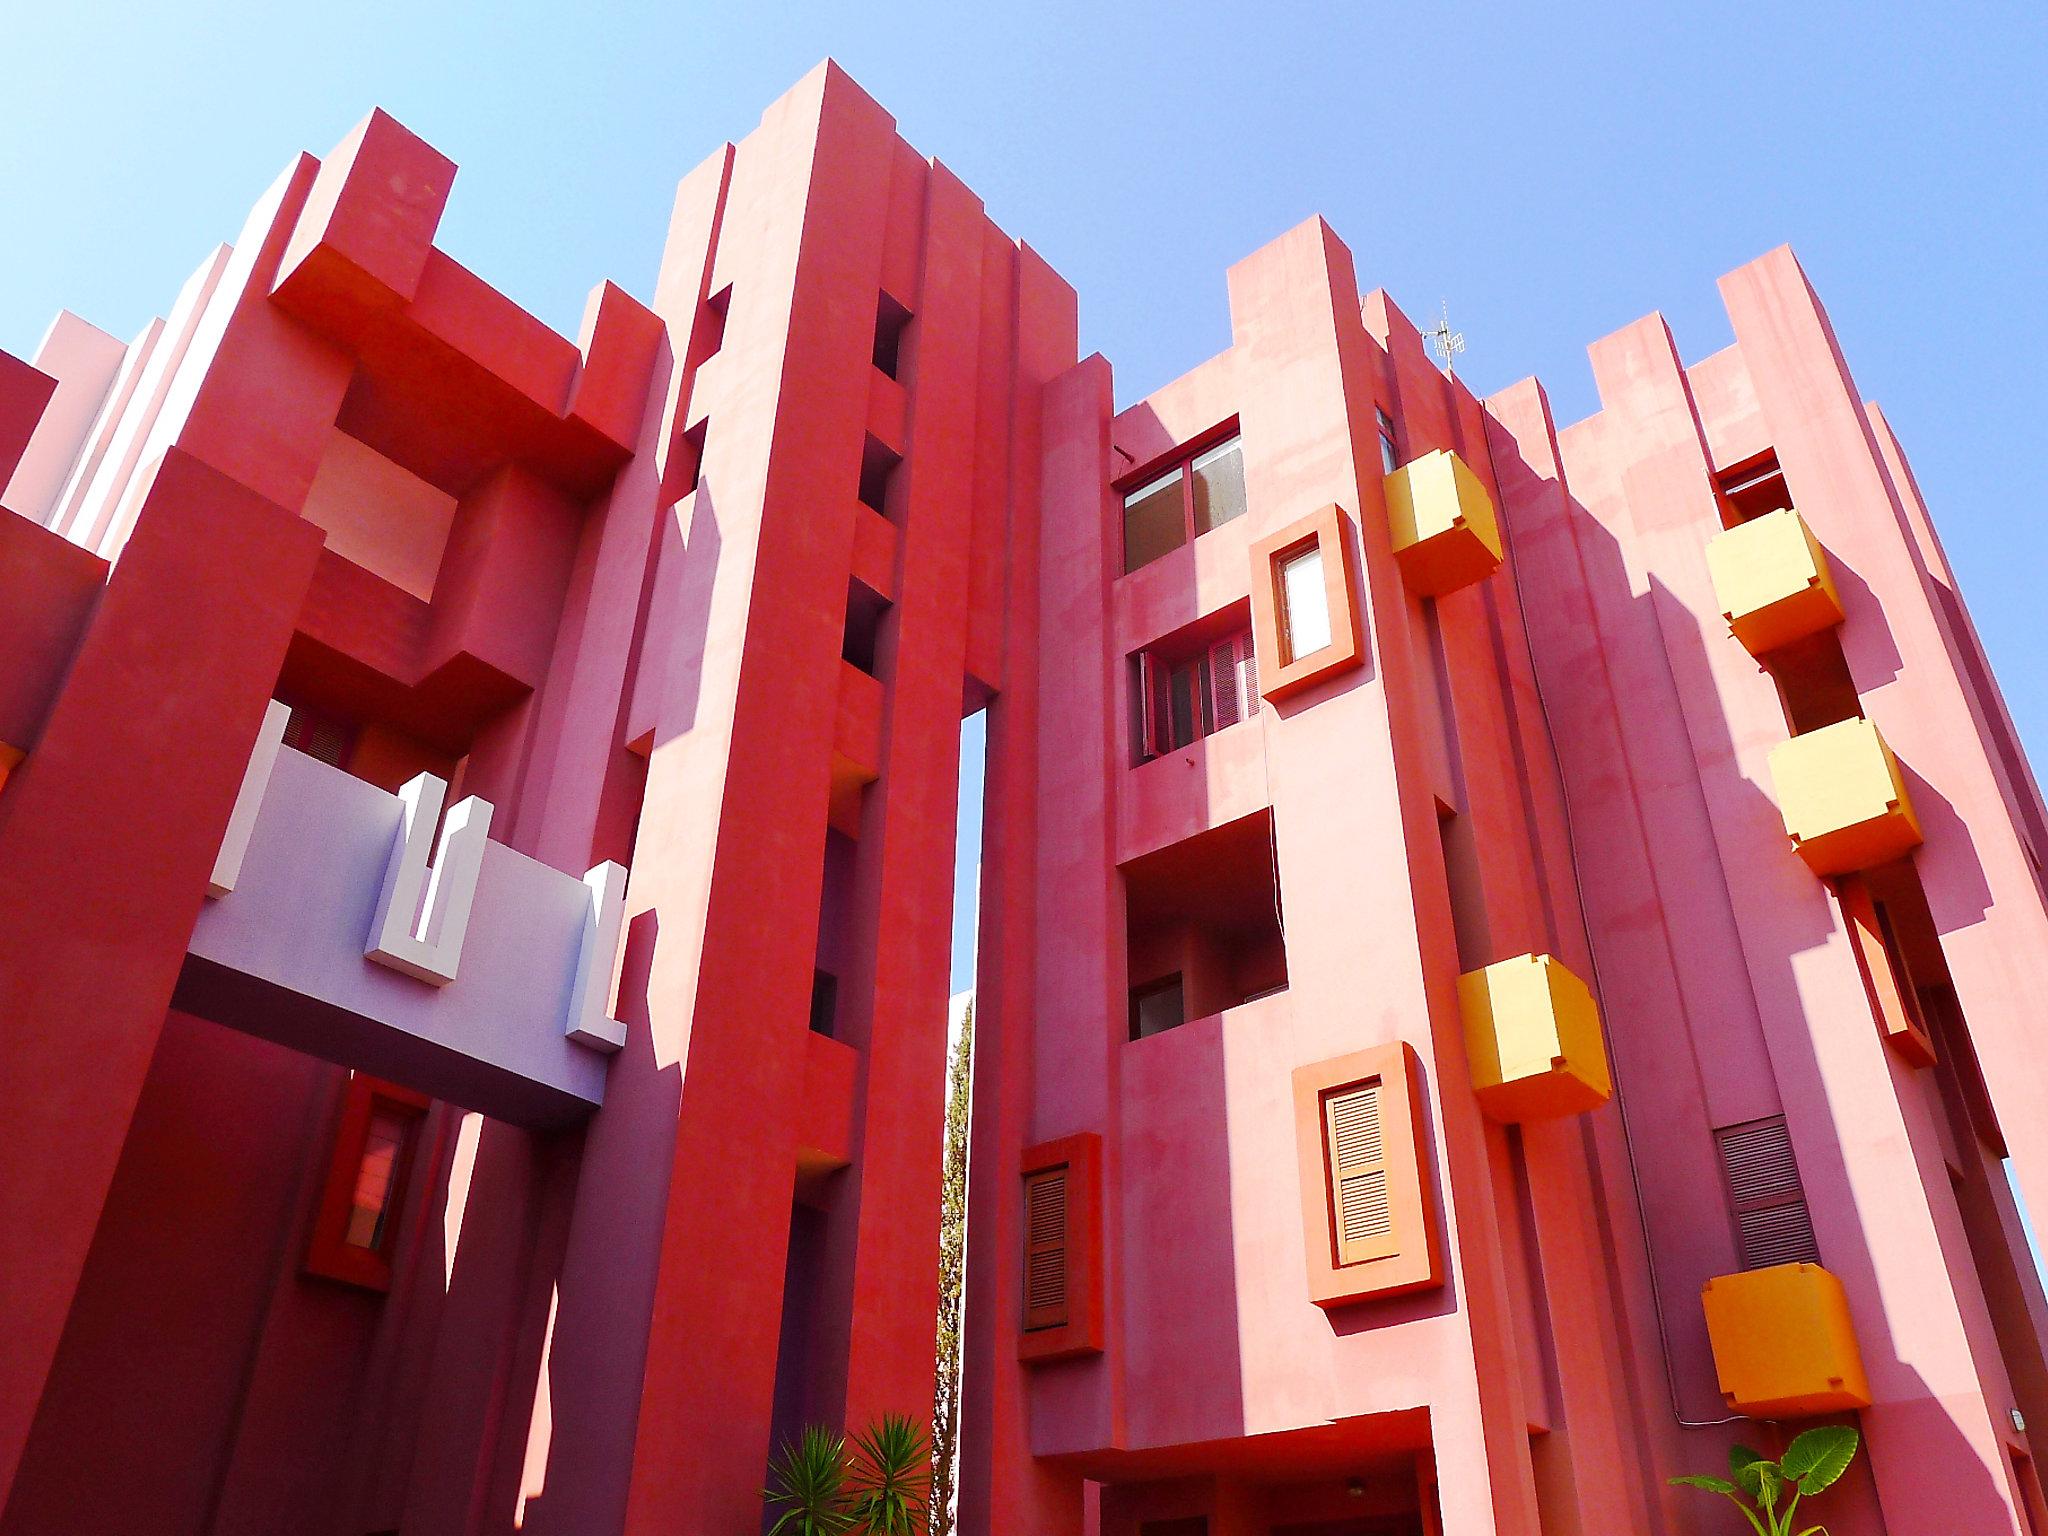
(1181, 707)
(1306, 605)
(1153, 521)
(370, 1206)
(1219, 485)
(1157, 1008)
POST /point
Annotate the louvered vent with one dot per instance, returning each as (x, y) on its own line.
(320, 736)
(1363, 1215)
(1771, 1219)
(1045, 1249)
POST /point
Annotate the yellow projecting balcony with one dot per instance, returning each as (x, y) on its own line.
(1445, 535)
(1843, 799)
(1532, 1037)
(1784, 1345)
(1772, 581)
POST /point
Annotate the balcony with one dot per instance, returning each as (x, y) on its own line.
(1843, 799)
(1772, 581)
(1445, 535)
(1532, 1039)
(484, 979)
(1784, 1346)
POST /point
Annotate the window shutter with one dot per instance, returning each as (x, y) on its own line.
(1223, 697)
(1362, 1219)
(1045, 1248)
(1248, 675)
(1771, 1220)
(319, 736)
(1154, 705)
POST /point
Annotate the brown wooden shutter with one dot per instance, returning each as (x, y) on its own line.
(1361, 1213)
(1772, 1224)
(1153, 706)
(1223, 699)
(1045, 1248)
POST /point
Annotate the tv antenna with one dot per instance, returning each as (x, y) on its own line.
(1445, 342)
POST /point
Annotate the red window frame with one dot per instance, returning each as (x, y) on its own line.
(1222, 688)
(1080, 1329)
(1180, 462)
(329, 1253)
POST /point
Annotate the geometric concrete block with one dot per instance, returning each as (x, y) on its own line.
(1843, 799)
(1532, 1040)
(234, 842)
(1772, 581)
(424, 938)
(590, 1022)
(1445, 535)
(1784, 1345)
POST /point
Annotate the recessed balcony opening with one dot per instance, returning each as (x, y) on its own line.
(877, 474)
(1814, 685)
(1751, 489)
(711, 329)
(1204, 926)
(1198, 680)
(865, 608)
(891, 321)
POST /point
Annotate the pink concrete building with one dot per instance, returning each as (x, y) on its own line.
(1506, 950)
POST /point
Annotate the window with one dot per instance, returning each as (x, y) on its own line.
(1366, 1217)
(1390, 453)
(1304, 582)
(824, 1003)
(1157, 1007)
(1060, 1290)
(1772, 1225)
(864, 609)
(1887, 978)
(1304, 605)
(890, 320)
(355, 1230)
(877, 470)
(319, 735)
(1750, 490)
(1188, 687)
(1045, 1248)
(1202, 493)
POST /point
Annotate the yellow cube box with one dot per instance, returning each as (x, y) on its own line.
(1532, 1038)
(1445, 535)
(1772, 581)
(1784, 1345)
(1843, 799)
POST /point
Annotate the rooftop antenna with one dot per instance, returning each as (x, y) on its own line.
(1445, 342)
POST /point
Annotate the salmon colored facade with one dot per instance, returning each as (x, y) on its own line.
(1508, 952)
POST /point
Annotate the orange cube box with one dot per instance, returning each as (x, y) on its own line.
(1532, 1039)
(1843, 798)
(1784, 1345)
(1772, 581)
(1445, 534)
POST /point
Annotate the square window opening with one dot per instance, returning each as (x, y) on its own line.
(891, 321)
(865, 608)
(877, 474)
(1195, 681)
(711, 326)
(1751, 489)
(1304, 601)
(1170, 506)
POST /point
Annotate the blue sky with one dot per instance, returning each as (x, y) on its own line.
(1552, 172)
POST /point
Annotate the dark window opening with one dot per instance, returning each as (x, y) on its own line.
(692, 467)
(711, 328)
(1814, 685)
(1192, 683)
(824, 1003)
(1193, 1525)
(317, 734)
(1202, 919)
(877, 472)
(1390, 451)
(891, 319)
(1158, 1006)
(1167, 508)
(1751, 489)
(864, 610)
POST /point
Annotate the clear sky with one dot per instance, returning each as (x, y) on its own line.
(1553, 171)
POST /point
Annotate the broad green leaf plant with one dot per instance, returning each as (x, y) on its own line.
(1768, 1492)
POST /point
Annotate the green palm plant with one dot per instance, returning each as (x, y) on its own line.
(891, 1477)
(1811, 1463)
(808, 1479)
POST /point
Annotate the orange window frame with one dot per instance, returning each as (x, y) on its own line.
(1280, 672)
(329, 1253)
(1409, 1257)
(1887, 979)
(1081, 1331)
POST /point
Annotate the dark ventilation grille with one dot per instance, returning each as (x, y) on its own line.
(1771, 1220)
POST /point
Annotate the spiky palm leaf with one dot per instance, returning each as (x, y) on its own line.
(891, 1477)
(808, 1479)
